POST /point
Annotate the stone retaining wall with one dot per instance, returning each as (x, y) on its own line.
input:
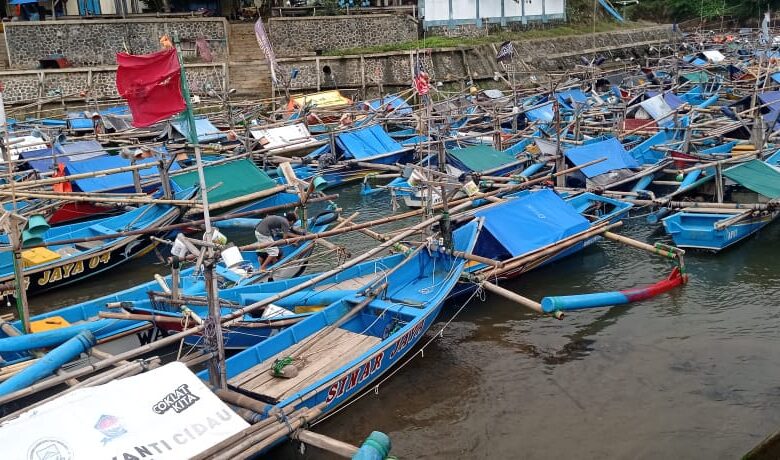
(98, 82)
(95, 42)
(306, 35)
(459, 64)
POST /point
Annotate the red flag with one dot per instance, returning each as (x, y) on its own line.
(151, 83)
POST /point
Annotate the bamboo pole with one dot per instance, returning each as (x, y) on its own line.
(192, 223)
(340, 448)
(227, 320)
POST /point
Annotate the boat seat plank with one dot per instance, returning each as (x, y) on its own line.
(330, 353)
(320, 364)
(87, 245)
(256, 375)
(352, 283)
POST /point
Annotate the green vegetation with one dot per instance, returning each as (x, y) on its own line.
(549, 31)
(681, 10)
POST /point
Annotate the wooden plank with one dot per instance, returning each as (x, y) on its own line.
(360, 347)
(352, 283)
(257, 375)
(320, 365)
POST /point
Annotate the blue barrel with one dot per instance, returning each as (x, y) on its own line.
(531, 170)
(54, 337)
(376, 447)
(583, 301)
(49, 364)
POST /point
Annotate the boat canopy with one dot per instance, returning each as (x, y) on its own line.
(207, 132)
(322, 99)
(110, 182)
(367, 142)
(529, 222)
(41, 161)
(611, 149)
(237, 178)
(394, 101)
(756, 176)
(479, 158)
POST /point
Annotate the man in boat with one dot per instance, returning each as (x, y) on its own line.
(273, 228)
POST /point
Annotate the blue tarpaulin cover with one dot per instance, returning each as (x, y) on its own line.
(71, 151)
(206, 131)
(611, 149)
(112, 182)
(399, 105)
(366, 143)
(543, 113)
(532, 221)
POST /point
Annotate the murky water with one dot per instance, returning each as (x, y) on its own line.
(691, 374)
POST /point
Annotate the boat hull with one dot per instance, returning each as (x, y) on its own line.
(697, 230)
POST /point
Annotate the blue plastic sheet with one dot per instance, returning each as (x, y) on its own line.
(72, 151)
(206, 131)
(532, 221)
(112, 182)
(366, 143)
(611, 149)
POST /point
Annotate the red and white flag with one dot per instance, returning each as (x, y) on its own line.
(151, 84)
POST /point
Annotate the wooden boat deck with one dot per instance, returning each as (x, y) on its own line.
(331, 351)
(352, 283)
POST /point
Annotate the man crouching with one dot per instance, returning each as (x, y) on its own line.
(273, 228)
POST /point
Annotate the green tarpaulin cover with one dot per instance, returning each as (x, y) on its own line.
(238, 178)
(481, 158)
(696, 77)
(756, 176)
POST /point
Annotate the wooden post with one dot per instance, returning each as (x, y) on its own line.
(719, 182)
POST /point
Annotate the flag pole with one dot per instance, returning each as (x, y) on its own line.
(213, 332)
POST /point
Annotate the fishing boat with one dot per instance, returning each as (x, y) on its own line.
(327, 359)
(755, 185)
(72, 253)
(530, 220)
(255, 327)
(103, 315)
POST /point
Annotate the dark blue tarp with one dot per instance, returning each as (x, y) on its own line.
(112, 182)
(532, 221)
(71, 151)
(366, 143)
(611, 149)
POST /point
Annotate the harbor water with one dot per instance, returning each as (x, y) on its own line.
(690, 374)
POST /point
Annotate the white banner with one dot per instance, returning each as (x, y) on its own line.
(166, 413)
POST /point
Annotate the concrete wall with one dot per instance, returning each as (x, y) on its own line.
(305, 35)
(99, 82)
(96, 42)
(453, 65)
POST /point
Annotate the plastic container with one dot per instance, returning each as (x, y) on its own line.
(232, 257)
(179, 249)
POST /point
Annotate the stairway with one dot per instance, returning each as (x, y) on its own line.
(249, 71)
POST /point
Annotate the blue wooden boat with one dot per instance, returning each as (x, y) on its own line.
(117, 335)
(349, 345)
(752, 182)
(62, 264)
(530, 220)
(256, 327)
(370, 144)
